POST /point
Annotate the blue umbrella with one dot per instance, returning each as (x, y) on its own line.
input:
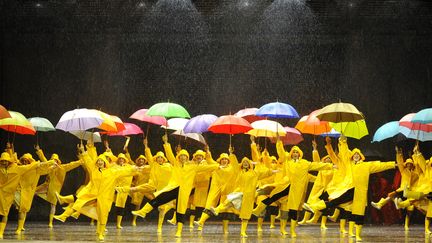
(387, 130)
(277, 110)
(333, 133)
(424, 116)
(199, 124)
(416, 134)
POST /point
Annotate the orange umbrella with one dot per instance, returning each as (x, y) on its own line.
(312, 125)
(18, 123)
(4, 113)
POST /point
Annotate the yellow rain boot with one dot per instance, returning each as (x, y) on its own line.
(162, 212)
(406, 225)
(191, 221)
(20, 226)
(427, 223)
(2, 228)
(225, 226)
(68, 212)
(323, 222)
(218, 209)
(335, 215)
(259, 224)
(202, 220)
(293, 228)
(351, 225)
(283, 223)
(358, 232)
(259, 209)
(51, 218)
(101, 233)
(278, 216)
(402, 204)
(244, 224)
(381, 203)
(342, 224)
(144, 211)
(92, 222)
(272, 221)
(315, 218)
(320, 205)
(76, 215)
(64, 199)
(179, 230)
(173, 220)
(306, 217)
(119, 221)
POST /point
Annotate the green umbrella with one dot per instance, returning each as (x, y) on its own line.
(41, 124)
(355, 129)
(168, 110)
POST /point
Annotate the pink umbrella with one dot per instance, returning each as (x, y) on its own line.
(230, 124)
(406, 122)
(293, 136)
(130, 129)
(249, 114)
(141, 115)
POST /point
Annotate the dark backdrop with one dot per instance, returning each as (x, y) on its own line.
(212, 56)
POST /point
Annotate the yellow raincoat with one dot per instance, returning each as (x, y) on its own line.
(406, 174)
(55, 179)
(183, 177)
(201, 184)
(322, 180)
(124, 181)
(360, 176)
(160, 174)
(140, 178)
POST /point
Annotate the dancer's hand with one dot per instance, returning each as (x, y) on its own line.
(165, 138)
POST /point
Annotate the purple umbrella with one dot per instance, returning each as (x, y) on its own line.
(79, 120)
(199, 124)
(277, 110)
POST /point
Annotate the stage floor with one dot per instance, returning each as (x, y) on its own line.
(146, 232)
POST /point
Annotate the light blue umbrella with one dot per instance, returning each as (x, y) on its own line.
(424, 116)
(416, 134)
(41, 124)
(387, 130)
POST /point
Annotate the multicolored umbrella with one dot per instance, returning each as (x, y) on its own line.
(4, 113)
(277, 110)
(388, 130)
(355, 129)
(41, 124)
(199, 124)
(141, 115)
(195, 138)
(416, 134)
(407, 121)
(266, 128)
(310, 124)
(249, 114)
(339, 112)
(176, 123)
(79, 120)
(424, 116)
(168, 110)
(130, 129)
(18, 123)
(292, 137)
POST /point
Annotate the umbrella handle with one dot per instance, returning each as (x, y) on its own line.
(230, 136)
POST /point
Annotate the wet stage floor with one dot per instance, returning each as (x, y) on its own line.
(146, 232)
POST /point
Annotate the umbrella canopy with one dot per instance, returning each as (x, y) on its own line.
(108, 123)
(79, 120)
(266, 128)
(85, 135)
(312, 125)
(141, 115)
(130, 129)
(333, 133)
(407, 121)
(168, 110)
(388, 130)
(230, 124)
(199, 124)
(416, 134)
(249, 114)
(340, 112)
(195, 138)
(18, 123)
(176, 123)
(118, 123)
(41, 124)
(424, 116)
(277, 110)
(292, 137)
(355, 129)
(4, 113)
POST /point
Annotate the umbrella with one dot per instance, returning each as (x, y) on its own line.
(277, 110)
(176, 123)
(249, 114)
(407, 121)
(4, 113)
(196, 138)
(79, 120)
(416, 134)
(339, 112)
(292, 137)
(85, 135)
(168, 110)
(312, 125)
(18, 123)
(130, 129)
(355, 129)
(118, 123)
(424, 116)
(108, 123)
(41, 124)
(388, 130)
(333, 133)
(199, 124)
(230, 124)
(266, 128)
(141, 115)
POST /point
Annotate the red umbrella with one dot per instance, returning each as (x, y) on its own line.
(249, 114)
(141, 115)
(293, 136)
(4, 113)
(230, 124)
(406, 122)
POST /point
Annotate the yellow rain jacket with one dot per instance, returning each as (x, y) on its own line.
(360, 176)
(9, 181)
(124, 181)
(183, 177)
(406, 174)
(160, 174)
(140, 178)
(55, 179)
(201, 183)
(322, 180)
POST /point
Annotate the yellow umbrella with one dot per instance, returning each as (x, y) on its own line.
(355, 129)
(267, 128)
(108, 123)
(339, 112)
